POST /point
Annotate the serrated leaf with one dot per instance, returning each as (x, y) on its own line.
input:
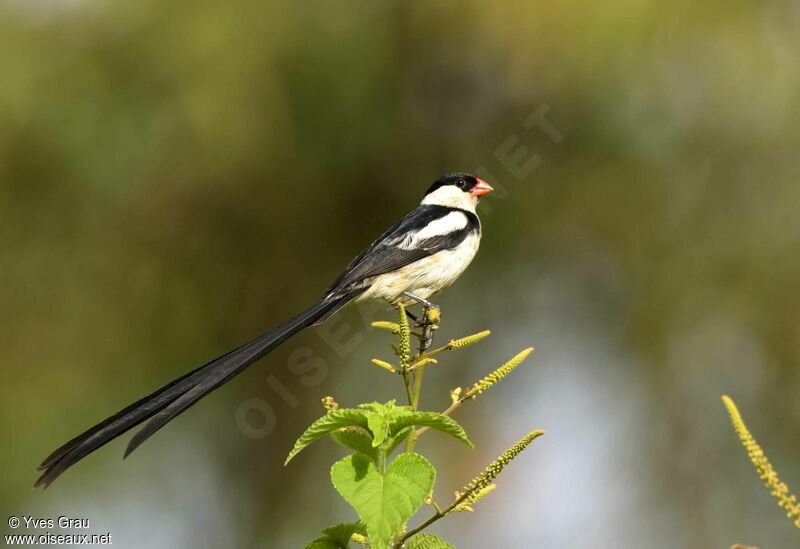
(335, 419)
(376, 407)
(389, 409)
(379, 425)
(336, 537)
(398, 439)
(434, 420)
(356, 441)
(428, 541)
(341, 533)
(384, 502)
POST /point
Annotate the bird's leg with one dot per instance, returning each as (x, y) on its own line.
(428, 323)
(424, 302)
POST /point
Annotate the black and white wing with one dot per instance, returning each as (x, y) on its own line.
(423, 232)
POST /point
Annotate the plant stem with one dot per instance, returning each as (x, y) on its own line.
(407, 385)
(424, 344)
(417, 387)
(439, 514)
(381, 462)
(425, 341)
(412, 438)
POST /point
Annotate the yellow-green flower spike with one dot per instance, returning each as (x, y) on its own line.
(484, 384)
(422, 363)
(456, 344)
(385, 365)
(473, 498)
(329, 403)
(404, 347)
(359, 539)
(780, 491)
(482, 481)
(434, 315)
(393, 327)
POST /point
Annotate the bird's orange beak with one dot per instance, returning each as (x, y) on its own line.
(481, 188)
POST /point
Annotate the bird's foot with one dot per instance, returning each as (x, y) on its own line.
(432, 312)
(429, 319)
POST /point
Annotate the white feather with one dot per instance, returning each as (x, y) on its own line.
(452, 196)
(450, 223)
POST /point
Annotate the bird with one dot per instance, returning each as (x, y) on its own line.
(416, 258)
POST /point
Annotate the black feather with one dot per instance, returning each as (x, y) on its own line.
(138, 408)
(233, 364)
(464, 181)
(172, 399)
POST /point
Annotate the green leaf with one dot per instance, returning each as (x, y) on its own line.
(384, 502)
(389, 409)
(357, 441)
(428, 541)
(379, 425)
(376, 407)
(335, 419)
(336, 537)
(434, 420)
(341, 533)
(398, 439)
(380, 417)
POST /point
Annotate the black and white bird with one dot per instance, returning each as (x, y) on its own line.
(423, 253)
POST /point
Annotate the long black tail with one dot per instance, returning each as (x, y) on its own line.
(174, 398)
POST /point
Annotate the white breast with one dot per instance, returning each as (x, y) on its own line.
(427, 276)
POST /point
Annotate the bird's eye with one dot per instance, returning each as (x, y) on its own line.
(461, 183)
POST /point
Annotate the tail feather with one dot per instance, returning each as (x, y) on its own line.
(175, 387)
(171, 400)
(229, 367)
(118, 424)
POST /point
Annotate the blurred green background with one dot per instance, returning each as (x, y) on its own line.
(177, 177)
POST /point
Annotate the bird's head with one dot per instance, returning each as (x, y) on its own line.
(457, 190)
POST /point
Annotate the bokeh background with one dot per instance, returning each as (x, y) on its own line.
(176, 177)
